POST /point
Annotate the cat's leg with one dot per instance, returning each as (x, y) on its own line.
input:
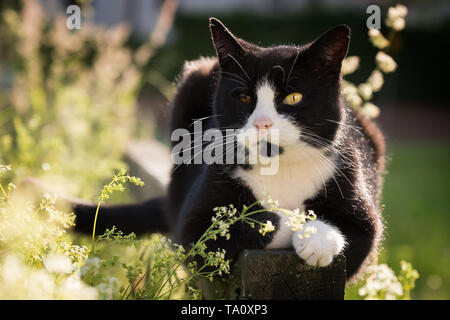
(319, 248)
(351, 227)
(198, 210)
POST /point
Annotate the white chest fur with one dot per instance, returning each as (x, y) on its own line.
(302, 173)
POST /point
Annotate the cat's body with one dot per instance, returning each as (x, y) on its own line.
(330, 160)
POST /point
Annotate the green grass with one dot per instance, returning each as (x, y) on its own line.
(416, 210)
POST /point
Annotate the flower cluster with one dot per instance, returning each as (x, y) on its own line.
(55, 77)
(396, 17)
(266, 227)
(4, 169)
(117, 182)
(297, 221)
(20, 281)
(38, 261)
(359, 96)
(407, 277)
(377, 39)
(385, 62)
(383, 284)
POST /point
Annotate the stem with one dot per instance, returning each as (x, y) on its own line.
(95, 224)
(6, 196)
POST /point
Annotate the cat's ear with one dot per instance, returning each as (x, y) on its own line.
(225, 43)
(331, 48)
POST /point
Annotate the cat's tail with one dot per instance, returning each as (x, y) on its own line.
(144, 217)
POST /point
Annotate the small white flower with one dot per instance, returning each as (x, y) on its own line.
(399, 11)
(398, 24)
(396, 17)
(4, 169)
(377, 39)
(354, 100)
(350, 65)
(370, 110)
(365, 91)
(385, 62)
(381, 283)
(58, 263)
(12, 269)
(376, 80)
(74, 289)
(266, 227)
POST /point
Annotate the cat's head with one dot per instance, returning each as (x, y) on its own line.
(292, 89)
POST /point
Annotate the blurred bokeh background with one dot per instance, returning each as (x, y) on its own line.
(71, 101)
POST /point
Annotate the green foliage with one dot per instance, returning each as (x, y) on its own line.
(37, 258)
(116, 184)
(68, 102)
(34, 241)
(122, 267)
(416, 213)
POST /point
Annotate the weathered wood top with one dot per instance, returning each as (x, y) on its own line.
(278, 275)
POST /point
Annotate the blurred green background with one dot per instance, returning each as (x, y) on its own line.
(414, 102)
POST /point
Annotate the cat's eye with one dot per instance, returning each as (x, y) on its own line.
(293, 98)
(245, 98)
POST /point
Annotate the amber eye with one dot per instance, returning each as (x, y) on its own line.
(293, 98)
(245, 98)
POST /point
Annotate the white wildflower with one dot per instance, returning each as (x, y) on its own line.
(348, 88)
(365, 91)
(381, 283)
(354, 100)
(272, 203)
(385, 62)
(4, 169)
(398, 24)
(376, 80)
(72, 288)
(12, 269)
(377, 39)
(370, 110)
(396, 17)
(350, 65)
(58, 263)
(266, 227)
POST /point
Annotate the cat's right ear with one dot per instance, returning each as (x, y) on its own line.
(225, 43)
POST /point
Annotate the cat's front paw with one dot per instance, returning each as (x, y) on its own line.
(319, 248)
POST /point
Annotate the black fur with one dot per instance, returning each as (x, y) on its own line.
(206, 89)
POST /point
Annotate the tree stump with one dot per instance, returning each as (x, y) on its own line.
(278, 275)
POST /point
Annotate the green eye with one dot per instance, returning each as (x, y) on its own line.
(293, 98)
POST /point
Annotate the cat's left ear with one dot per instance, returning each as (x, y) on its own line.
(331, 48)
(225, 43)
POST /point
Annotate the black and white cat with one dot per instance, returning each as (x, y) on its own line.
(330, 159)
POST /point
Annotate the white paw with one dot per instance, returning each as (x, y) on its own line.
(319, 248)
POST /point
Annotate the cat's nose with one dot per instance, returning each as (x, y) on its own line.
(263, 123)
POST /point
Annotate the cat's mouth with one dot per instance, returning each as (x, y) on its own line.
(268, 149)
(260, 145)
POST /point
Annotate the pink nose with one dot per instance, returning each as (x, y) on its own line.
(263, 123)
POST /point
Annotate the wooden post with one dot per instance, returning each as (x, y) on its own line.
(278, 275)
